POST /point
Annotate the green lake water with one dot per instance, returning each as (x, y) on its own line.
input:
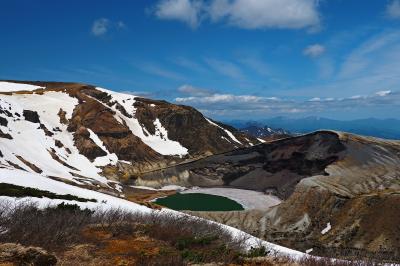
(199, 202)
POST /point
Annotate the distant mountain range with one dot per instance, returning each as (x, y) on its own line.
(264, 132)
(382, 128)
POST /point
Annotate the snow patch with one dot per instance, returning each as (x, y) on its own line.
(38, 151)
(11, 86)
(159, 141)
(110, 158)
(226, 131)
(326, 229)
(104, 201)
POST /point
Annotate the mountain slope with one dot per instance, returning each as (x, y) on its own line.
(88, 135)
(341, 191)
(265, 133)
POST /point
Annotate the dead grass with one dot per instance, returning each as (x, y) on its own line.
(149, 239)
(115, 237)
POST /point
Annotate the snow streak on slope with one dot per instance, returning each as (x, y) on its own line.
(226, 131)
(159, 141)
(31, 143)
(33, 180)
(9, 87)
(110, 158)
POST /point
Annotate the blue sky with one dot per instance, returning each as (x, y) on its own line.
(229, 58)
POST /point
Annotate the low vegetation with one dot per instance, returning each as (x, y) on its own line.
(68, 235)
(11, 190)
(153, 238)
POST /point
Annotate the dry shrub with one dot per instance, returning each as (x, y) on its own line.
(59, 227)
(313, 261)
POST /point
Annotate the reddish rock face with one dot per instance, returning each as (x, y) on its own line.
(189, 127)
(276, 167)
(97, 111)
(117, 138)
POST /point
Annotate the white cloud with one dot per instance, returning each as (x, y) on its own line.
(102, 26)
(393, 9)
(230, 105)
(187, 11)
(247, 14)
(225, 68)
(194, 91)
(383, 93)
(257, 14)
(315, 99)
(224, 98)
(314, 50)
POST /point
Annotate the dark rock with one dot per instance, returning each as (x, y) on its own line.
(87, 146)
(47, 132)
(63, 120)
(4, 135)
(277, 166)
(31, 116)
(58, 143)
(3, 121)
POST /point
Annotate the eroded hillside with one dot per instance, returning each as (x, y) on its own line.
(95, 137)
(341, 192)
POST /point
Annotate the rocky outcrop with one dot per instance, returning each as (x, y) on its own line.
(189, 127)
(347, 208)
(15, 254)
(275, 167)
(31, 116)
(141, 133)
(86, 145)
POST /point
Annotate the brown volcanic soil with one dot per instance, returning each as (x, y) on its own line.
(358, 194)
(275, 167)
(184, 124)
(180, 121)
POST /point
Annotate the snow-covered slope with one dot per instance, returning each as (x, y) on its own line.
(90, 136)
(67, 138)
(158, 141)
(33, 180)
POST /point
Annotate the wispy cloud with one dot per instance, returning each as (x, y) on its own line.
(157, 70)
(393, 9)
(194, 91)
(314, 50)
(189, 64)
(225, 68)
(366, 54)
(102, 26)
(255, 64)
(247, 14)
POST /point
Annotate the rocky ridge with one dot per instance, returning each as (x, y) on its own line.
(95, 137)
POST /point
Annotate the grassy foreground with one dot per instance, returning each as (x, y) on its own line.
(67, 235)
